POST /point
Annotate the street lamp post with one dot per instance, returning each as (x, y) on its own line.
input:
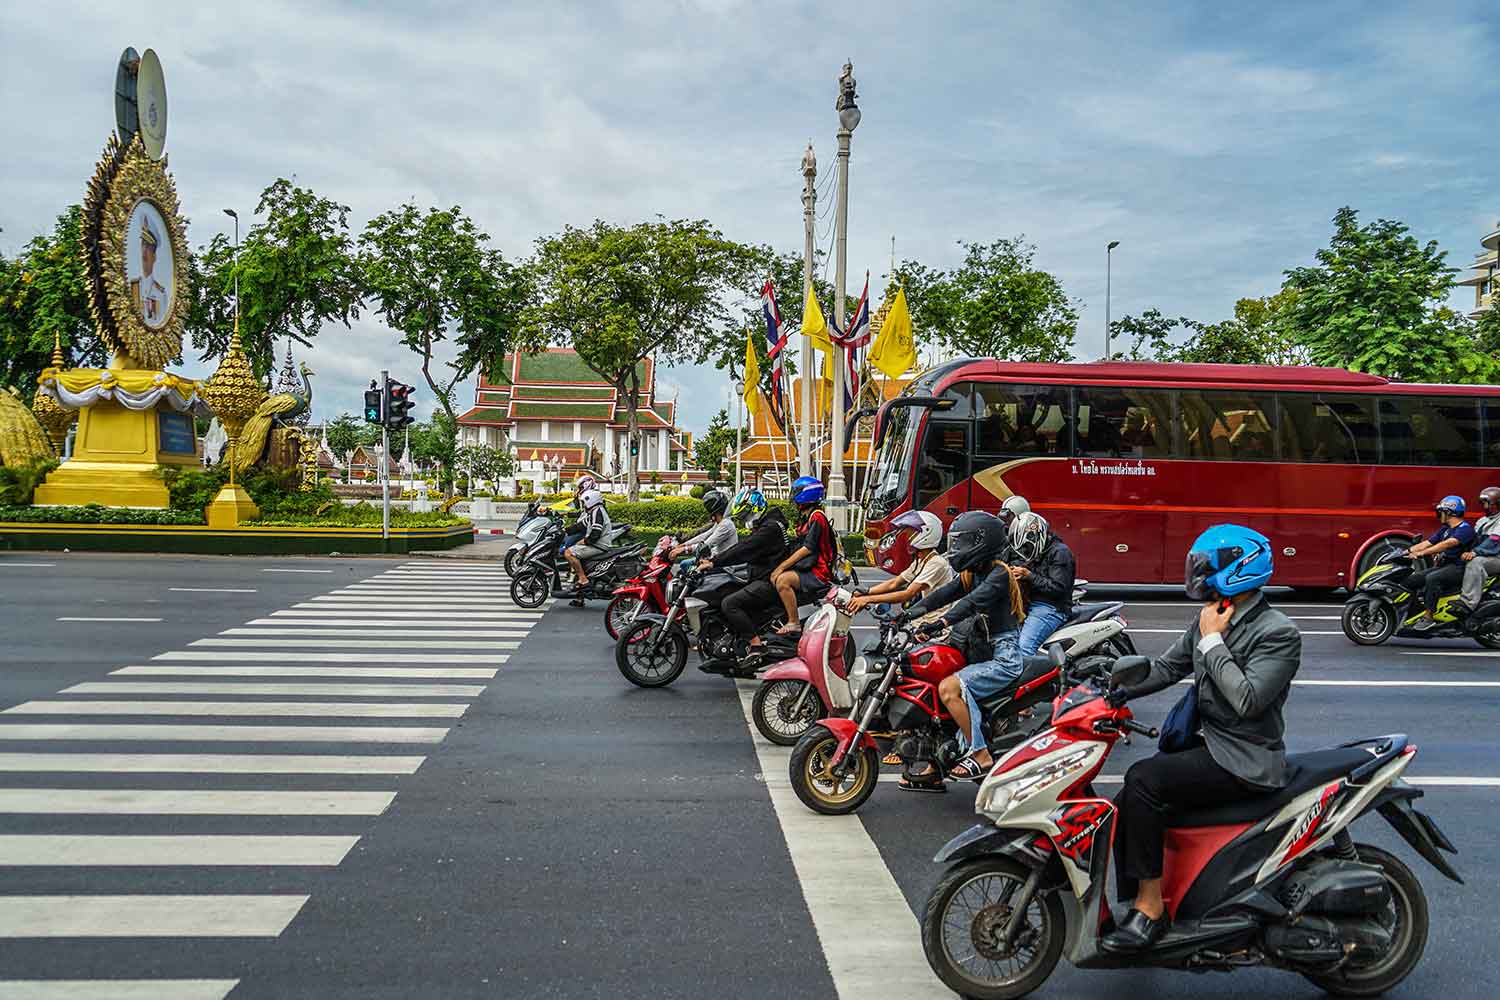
(235, 258)
(848, 121)
(809, 221)
(737, 402)
(1108, 257)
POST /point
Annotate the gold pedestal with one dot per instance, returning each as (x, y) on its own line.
(231, 507)
(115, 458)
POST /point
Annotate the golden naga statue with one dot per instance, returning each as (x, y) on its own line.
(250, 445)
(22, 439)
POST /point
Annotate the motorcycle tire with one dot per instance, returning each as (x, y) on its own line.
(1368, 623)
(772, 709)
(1408, 910)
(649, 660)
(511, 555)
(530, 588)
(1042, 937)
(619, 613)
(810, 760)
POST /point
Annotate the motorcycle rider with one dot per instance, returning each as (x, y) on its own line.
(986, 586)
(593, 524)
(1044, 566)
(1483, 561)
(746, 610)
(927, 571)
(808, 571)
(1448, 543)
(715, 536)
(1242, 655)
(1014, 506)
(585, 483)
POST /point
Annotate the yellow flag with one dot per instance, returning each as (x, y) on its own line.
(752, 376)
(815, 327)
(894, 352)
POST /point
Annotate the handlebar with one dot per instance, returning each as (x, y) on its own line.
(1131, 726)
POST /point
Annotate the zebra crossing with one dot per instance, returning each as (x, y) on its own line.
(278, 686)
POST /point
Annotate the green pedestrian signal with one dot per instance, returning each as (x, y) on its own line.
(374, 405)
(635, 447)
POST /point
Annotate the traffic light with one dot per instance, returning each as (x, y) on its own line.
(398, 405)
(635, 446)
(374, 404)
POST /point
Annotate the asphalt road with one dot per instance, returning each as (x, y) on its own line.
(488, 810)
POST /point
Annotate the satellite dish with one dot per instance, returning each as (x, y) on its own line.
(127, 122)
(151, 104)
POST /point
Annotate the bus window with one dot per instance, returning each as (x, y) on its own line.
(1319, 428)
(1021, 420)
(1232, 426)
(1429, 430)
(943, 464)
(1124, 423)
(1492, 432)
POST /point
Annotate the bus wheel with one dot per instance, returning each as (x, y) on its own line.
(1378, 553)
(1369, 622)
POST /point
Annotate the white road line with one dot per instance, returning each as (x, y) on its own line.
(21, 565)
(869, 936)
(1177, 631)
(116, 989)
(191, 802)
(267, 657)
(1399, 684)
(205, 763)
(296, 571)
(222, 734)
(254, 687)
(147, 916)
(354, 642)
(356, 631)
(1188, 604)
(468, 595)
(1445, 781)
(252, 670)
(375, 615)
(170, 850)
(214, 590)
(406, 603)
(331, 709)
(1448, 652)
(71, 619)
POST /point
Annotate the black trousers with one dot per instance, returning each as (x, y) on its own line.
(748, 609)
(1437, 582)
(1153, 788)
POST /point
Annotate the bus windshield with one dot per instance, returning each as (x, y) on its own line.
(892, 475)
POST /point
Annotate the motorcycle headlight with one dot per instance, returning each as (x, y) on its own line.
(860, 676)
(1002, 793)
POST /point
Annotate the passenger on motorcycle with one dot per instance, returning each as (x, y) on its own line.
(807, 572)
(984, 587)
(1043, 564)
(593, 522)
(1241, 655)
(715, 536)
(1482, 561)
(1454, 537)
(750, 607)
(926, 573)
(585, 483)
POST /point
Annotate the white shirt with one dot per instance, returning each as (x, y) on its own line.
(715, 540)
(932, 572)
(1488, 525)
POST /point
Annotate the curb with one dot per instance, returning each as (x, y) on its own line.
(489, 531)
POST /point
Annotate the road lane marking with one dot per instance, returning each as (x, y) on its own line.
(1444, 781)
(376, 614)
(350, 641)
(222, 734)
(252, 670)
(116, 989)
(1177, 631)
(404, 603)
(335, 709)
(54, 850)
(147, 916)
(1399, 684)
(296, 571)
(190, 802)
(21, 565)
(869, 936)
(214, 590)
(1449, 652)
(71, 619)
(269, 657)
(355, 631)
(206, 763)
(378, 593)
(255, 687)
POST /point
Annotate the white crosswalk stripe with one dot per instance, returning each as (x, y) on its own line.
(348, 667)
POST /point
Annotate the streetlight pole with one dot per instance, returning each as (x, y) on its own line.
(838, 499)
(235, 258)
(1108, 258)
(809, 366)
(738, 402)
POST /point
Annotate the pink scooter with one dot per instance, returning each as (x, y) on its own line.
(798, 692)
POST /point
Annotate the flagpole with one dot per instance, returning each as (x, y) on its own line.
(809, 221)
(739, 447)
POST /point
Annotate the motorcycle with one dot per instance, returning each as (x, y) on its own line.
(646, 592)
(1383, 607)
(1272, 880)
(540, 573)
(653, 651)
(798, 692)
(533, 520)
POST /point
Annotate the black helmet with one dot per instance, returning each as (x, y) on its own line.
(1489, 498)
(974, 537)
(715, 502)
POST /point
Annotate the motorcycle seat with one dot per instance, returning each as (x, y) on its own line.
(1304, 771)
(1033, 668)
(1092, 612)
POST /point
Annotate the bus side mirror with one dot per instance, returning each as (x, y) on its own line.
(854, 418)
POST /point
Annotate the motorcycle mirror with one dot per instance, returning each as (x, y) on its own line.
(1128, 671)
(1057, 654)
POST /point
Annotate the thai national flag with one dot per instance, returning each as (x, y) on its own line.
(857, 337)
(776, 339)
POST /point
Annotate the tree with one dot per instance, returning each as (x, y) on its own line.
(297, 271)
(618, 295)
(710, 449)
(485, 461)
(1253, 337)
(995, 304)
(435, 443)
(433, 277)
(343, 436)
(1373, 302)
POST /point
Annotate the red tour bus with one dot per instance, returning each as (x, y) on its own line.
(1130, 460)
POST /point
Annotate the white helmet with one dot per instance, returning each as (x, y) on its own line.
(592, 499)
(585, 483)
(1013, 507)
(1029, 536)
(926, 528)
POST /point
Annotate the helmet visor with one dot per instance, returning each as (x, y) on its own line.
(1204, 566)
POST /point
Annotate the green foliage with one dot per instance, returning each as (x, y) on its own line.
(43, 293)
(343, 435)
(485, 461)
(1255, 336)
(18, 482)
(675, 513)
(712, 447)
(697, 491)
(360, 515)
(994, 305)
(95, 514)
(276, 492)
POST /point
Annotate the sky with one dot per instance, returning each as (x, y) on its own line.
(1214, 141)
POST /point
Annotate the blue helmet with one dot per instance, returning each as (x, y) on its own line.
(1450, 506)
(1226, 560)
(806, 490)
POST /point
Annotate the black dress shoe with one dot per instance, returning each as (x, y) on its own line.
(1136, 932)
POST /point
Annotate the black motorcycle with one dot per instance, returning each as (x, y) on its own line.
(541, 569)
(1384, 605)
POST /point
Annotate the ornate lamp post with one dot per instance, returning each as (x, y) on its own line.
(234, 393)
(848, 121)
(52, 415)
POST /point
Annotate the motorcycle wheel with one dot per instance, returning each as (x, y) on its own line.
(1405, 917)
(774, 710)
(965, 916)
(510, 561)
(650, 660)
(817, 788)
(619, 612)
(1369, 623)
(530, 589)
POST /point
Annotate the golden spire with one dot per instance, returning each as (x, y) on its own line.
(57, 358)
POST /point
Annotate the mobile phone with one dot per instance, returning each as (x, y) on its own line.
(1225, 604)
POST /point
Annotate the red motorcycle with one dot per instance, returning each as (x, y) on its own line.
(1271, 880)
(642, 594)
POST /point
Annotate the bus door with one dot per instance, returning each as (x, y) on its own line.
(943, 467)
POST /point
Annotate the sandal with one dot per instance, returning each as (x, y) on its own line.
(969, 769)
(922, 783)
(892, 759)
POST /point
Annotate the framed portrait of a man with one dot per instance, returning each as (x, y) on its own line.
(149, 265)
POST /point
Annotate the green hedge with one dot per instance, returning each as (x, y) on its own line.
(276, 491)
(357, 516)
(95, 514)
(676, 513)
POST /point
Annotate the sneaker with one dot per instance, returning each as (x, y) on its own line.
(1423, 624)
